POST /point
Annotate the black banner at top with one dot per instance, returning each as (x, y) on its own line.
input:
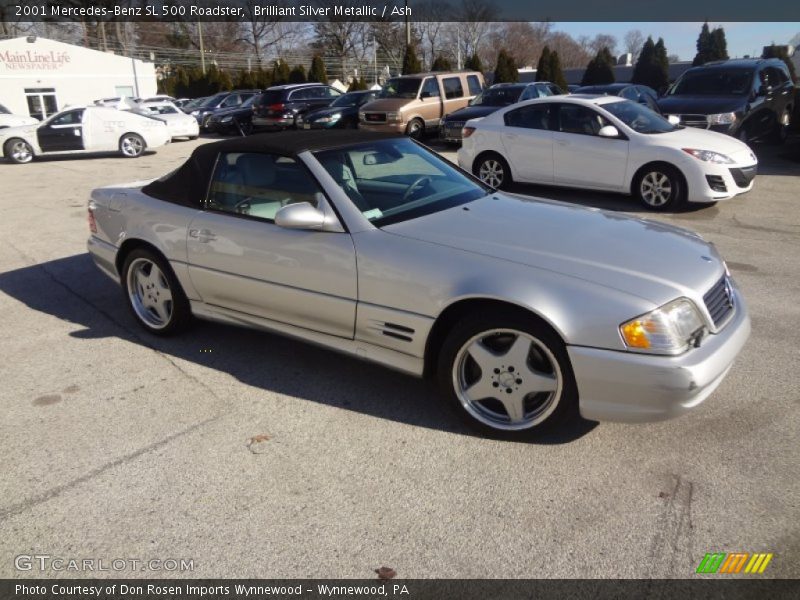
(400, 10)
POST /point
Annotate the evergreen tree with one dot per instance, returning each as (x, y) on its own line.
(298, 74)
(441, 64)
(246, 80)
(543, 67)
(474, 63)
(600, 69)
(262, 78)
(642, 70)
(280, 72)
(358, 84)
(557, 73)
(661, 79)
(703, 47)
(317, 73)
(506, 69)
(719, 45)
(411, 64)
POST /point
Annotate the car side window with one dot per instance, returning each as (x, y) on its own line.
(299, 95)
(430, 89)
(474, 85)
(453, 87)
(329, 92)
(73, 117)
(233, 100)
(574, 118)
(258, 185)
(630, 93)
(536, 116)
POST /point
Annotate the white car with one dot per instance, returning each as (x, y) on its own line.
(178, 122)
(606, 143)
(83, 130)
(7, 119)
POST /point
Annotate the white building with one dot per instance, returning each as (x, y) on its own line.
(39, 77)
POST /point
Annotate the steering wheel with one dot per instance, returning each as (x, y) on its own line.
(242, 206)
(413, 187)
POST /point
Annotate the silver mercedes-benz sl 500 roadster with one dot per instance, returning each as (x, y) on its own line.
(527, 312)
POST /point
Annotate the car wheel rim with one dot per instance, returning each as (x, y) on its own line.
(507, 379)
(656, 189)
(150, 294)
(21, 152)
(492, 173)
(414, 129)
(132, 146)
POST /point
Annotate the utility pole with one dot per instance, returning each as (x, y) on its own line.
(408, 25)
(375, 58)
(202, 50)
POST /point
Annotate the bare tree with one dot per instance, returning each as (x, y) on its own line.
(634, 40)
(432, 28)
(342, 39)
(603, 40)
(572, 53)
(524, 40)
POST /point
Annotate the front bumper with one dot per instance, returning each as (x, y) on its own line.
(708, 182)
(634, 388)
(281, 122)
(382, 127)
(104, 256)
(451, 134)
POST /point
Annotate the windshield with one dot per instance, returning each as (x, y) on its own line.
(714, 82)
(401, 88)
(497, 96)
(213, 100)
(161, 109)
(395, 180)
(638, 117)
(195, 103)
(348, 100)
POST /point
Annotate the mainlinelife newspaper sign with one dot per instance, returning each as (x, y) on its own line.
(399, 10)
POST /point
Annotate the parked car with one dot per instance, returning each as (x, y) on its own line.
(278, 107)
(83, 130)
(222, 101)
(642, 94)
(342, 113)
(489, 100)
(486, 292)
(751, 99)
(192, 104)
(233, 121)
(416, 104)
(178, 122)
(606, 143)
(7, 119)
(181, 102)
(571, 88)
(158, 98)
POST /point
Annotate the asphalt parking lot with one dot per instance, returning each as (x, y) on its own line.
(120, 445)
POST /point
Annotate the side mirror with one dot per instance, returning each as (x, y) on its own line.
(424, 95)
(299, 216)
(674, 119)
(609, 131)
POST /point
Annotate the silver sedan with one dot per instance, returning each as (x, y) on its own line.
(527, 312)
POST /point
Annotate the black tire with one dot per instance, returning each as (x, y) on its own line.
(493, 170)
(193, 137)
(541, 411)
(415, 129)
(132, 145)
(18, 151)
(180, 314)
(660, 187)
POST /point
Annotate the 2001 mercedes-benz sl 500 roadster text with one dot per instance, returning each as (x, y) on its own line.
(526, 311)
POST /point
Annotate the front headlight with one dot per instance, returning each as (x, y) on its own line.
(227, 119)
(194, 113)
(393, 116)
(330, 118)
(709, 156)
(721, 118)
(669, 329)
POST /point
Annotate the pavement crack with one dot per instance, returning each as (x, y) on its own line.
(673, 543)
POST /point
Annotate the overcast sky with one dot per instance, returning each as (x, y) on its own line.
(680, 38)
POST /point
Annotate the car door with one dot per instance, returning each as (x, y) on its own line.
(241, 261)
(62, 134)
(580, 156)
(430, 105)
(454, 94)
(527, 139)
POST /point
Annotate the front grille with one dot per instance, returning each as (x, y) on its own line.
(375, 117)
(743, 177)
(454, 125)
(694, 121)
(719, 301)
(716, 183)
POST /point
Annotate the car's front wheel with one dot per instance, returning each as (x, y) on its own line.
(131, 145)
(507, 375)
(781, 131)
(18, 151)
(415, 129)
(153, 293)
(492, 169)
(660, 187)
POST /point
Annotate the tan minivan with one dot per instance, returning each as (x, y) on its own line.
(413, 104)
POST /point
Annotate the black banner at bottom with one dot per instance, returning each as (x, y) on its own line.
(396, 589)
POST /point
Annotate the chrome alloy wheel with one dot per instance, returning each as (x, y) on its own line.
(492, 173)
(656, 189)
(149, 293)
(132, 146)
(21, 151)
(507, 379)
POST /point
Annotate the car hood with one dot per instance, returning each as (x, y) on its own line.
(386, 105)
(701, 105)
(326, 112)
(704, 139)
(471, 112)
(231, 111)
(648, 259)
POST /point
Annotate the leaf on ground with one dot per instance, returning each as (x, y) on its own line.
(256, 444)
(386, 573)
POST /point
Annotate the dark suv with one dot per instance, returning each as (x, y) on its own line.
(278, 106)
(221, 101)
(747, 98)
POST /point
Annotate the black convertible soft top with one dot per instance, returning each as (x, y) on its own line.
(188, 183)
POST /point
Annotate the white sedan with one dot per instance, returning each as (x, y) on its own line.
(84, 130)
(178, 122)
(8, 119)
(606, 143)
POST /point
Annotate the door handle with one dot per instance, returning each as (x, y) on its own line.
(202, 235)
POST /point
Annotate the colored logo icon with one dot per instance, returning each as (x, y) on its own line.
(734, 562)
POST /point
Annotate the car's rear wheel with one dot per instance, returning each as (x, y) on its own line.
(131, 145)
(660, 187)
(507, 375)
(415, 129)
(492, 169)
(153, 293)
(781, 131)
(18, 151)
